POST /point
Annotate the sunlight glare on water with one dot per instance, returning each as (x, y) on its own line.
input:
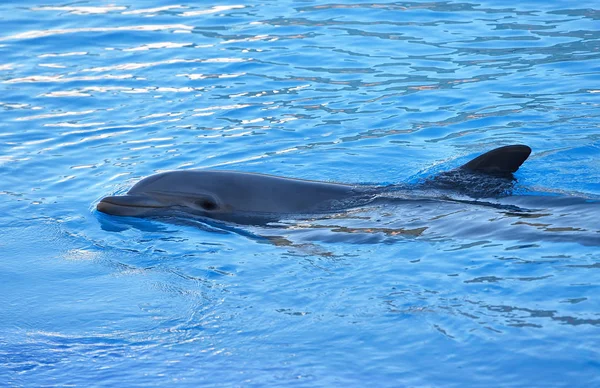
(401, 292)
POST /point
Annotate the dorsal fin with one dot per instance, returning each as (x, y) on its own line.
(502, 160)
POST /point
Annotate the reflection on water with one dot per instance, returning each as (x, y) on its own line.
(460, 224)
(95, 96)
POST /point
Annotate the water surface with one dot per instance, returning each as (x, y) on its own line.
(399, 293)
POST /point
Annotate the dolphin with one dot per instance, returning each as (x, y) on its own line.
(252, 198)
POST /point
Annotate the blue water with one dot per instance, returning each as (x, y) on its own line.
(96, 95)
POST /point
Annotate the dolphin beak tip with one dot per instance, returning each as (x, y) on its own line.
(102, 207)
(107, 207)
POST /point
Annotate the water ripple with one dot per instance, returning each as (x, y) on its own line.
(96, 96)
(45, 33)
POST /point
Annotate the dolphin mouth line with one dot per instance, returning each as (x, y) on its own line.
(105, 201)
(128, 205)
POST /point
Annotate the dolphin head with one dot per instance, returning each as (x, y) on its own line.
(223, 195)
(171, 190)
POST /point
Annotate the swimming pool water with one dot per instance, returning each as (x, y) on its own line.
(96, 95)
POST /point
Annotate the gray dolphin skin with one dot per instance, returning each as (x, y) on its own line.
(248, 198)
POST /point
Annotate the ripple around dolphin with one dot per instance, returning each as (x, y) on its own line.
(405, 214)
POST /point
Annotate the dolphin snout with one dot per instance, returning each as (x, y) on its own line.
(128, 205)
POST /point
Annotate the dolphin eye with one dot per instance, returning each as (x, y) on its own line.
(207, 204)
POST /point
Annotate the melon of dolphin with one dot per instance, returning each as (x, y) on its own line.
(243, 197)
